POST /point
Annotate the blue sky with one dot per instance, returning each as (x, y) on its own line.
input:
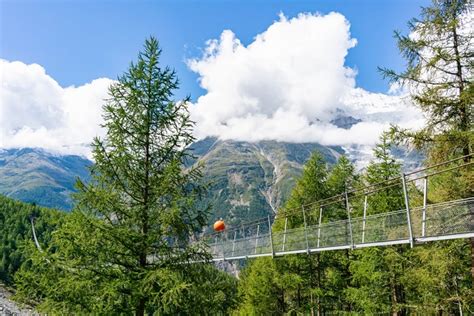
(280, 70)
(78, 41)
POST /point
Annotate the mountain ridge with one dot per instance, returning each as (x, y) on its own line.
(245, 180)
(35, 175)
(249, 180)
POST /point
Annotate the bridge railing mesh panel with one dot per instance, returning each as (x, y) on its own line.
(334, 235)
(382, 228)
(443, 219)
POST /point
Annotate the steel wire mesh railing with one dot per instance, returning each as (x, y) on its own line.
(429, 222)
(407, 225)
(443, 221)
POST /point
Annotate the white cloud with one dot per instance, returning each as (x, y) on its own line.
(289, 84)
(35, 111)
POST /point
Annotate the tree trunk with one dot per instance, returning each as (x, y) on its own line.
(394, 298)
(401, 300)
(298, 297)
(140, 311)
(318, 258)
(472, 257)
(349, 276)
(464, 126)
(471, 219)
(281, 302)
(397, 298)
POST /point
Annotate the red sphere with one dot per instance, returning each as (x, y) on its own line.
(219, 225)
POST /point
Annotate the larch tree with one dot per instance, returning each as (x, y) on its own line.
(292, 279)
(377, 272)
(312, 283)
(303, 273)
(336, 275)
(262, 289)
(439, 76)
(126, 247)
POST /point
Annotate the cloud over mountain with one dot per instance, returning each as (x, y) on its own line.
(291, 84)
(35, 111)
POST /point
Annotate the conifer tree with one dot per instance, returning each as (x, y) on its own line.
(289, 284)
(377, 272)
(262, 289)
(341, 175)
(336, 273)
(126, 246)
(439, 75)
(382, 168)
(303, 283)
(303, 273)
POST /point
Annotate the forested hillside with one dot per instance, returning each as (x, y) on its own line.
(16, 235)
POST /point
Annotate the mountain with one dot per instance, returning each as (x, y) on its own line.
(246, 180)
(35, 175)
(345, 121)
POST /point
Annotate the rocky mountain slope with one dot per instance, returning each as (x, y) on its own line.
(251, 180)
(11, 308)
(245, 180)
(36, 176)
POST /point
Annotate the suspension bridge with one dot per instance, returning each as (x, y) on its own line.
(310, 230)
(416, 221)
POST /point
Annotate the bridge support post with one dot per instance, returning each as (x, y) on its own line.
(407, 205)
(271, 236)
(349, 218)
(284, 233)
(215, 244)
(223, 246)
(364, 219)
(305, 230)
(423, 219)
(256, 238)
(319, 224)
(233, 243)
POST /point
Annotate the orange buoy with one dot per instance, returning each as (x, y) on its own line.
(219, 225)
